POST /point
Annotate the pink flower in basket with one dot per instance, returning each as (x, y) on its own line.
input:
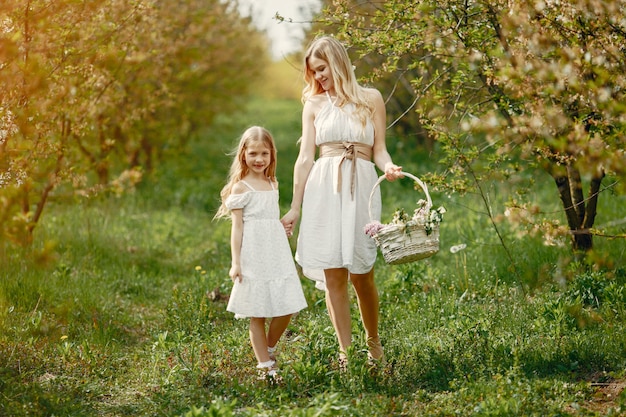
(371, 229)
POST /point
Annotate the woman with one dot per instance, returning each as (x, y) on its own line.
(347, 122)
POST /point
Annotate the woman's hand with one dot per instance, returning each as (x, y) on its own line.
(289, 221)
(393, 172)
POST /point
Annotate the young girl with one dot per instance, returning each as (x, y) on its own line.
(265, 280)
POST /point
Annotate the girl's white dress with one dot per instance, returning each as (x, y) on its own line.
(331, 229)
(270, 286)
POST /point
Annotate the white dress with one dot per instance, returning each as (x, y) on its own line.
(331, 229)
(270, 286)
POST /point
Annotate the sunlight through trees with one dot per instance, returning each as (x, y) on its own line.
(92, 94)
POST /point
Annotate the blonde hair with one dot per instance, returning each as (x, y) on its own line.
(347, 88)
(239, 168)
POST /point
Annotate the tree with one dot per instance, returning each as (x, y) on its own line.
(91, 93)
(506, 85)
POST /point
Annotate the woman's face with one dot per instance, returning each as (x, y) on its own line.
(321, 72)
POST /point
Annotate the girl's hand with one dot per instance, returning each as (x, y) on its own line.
(288, 229)
(235, 273)
(289, 220)
(393, 172)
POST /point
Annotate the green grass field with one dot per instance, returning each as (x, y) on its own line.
(118, 309)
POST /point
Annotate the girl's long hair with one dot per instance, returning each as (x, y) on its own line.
(239, 168)
(347, 88)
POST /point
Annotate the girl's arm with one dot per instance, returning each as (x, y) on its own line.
(382, 159)
(236, 236)
(303, 165)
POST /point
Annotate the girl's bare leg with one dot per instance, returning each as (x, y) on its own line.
(278, 325)
(338, 304)
(259, 339)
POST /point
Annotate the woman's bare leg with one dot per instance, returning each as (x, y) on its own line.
(367, 295)
(338, 304)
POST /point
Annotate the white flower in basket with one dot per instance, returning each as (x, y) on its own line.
(427, 216)
(408, 239)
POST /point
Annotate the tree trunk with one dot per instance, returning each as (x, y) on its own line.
(582, 240)
(580, 213)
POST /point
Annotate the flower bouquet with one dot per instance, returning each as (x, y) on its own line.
(408, 239)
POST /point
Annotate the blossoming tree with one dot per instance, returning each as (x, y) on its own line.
(505, 86)
(92, 92)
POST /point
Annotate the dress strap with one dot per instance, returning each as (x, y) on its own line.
(330, 100)
(253, 189)
(247, 185)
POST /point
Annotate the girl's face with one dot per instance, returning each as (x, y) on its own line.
(321, 72)
(258, 157)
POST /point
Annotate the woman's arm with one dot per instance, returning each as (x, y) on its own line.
(382, 159)
(302, 166)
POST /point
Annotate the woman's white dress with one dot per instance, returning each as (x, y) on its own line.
(331, 229)
(270, 286)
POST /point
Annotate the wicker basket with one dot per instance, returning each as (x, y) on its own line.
(401, 244)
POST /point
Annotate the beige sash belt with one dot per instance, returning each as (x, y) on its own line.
(347, 150)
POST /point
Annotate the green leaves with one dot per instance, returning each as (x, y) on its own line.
(538, 82)
(93, 93)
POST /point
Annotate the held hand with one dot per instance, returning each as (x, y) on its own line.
(288, 229)
(393, 172)
(235, 273)
(289, 220)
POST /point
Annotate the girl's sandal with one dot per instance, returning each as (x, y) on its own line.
(272, 352)
(268, 371)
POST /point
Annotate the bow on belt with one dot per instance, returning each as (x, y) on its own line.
(347, 150)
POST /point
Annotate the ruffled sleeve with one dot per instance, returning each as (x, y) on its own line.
(237, 201)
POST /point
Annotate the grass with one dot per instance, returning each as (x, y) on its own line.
(118, 309)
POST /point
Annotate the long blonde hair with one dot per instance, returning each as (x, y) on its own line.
(239, 168)
(347, 88)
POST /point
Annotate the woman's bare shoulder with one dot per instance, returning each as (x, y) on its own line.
(315, 103)
(317, 99)
(372, 93)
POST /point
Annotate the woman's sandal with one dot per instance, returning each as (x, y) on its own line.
(343, 362)
(375, 352)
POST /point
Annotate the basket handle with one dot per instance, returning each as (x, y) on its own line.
(406, 174)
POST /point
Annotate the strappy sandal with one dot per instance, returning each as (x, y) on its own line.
(343, 362)
(375, 352)
(268, 371)
(272, 352)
